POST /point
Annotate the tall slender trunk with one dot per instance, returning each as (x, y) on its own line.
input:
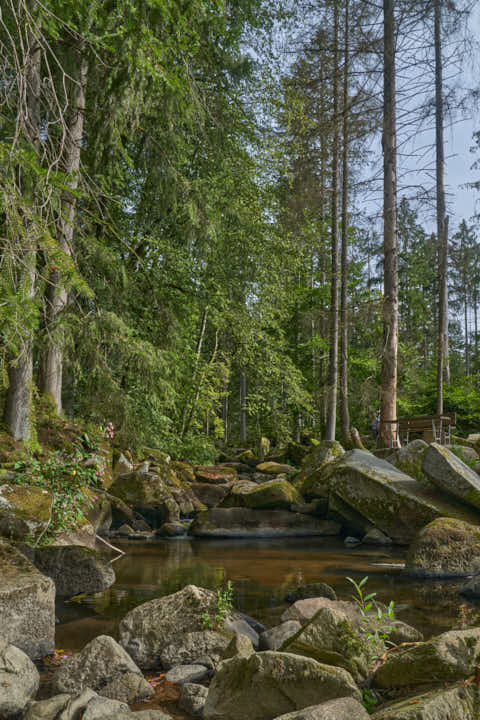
(475, 326)
(243, 408)
(52, 365)
(465, 311)
(18, 405)
(225, 416)
(443, 365)
(333, 355)
(344, 410)
(388, 401)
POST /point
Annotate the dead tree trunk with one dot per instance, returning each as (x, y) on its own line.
(388, 405)
(344, 410)
(333, 355)
(443, 365)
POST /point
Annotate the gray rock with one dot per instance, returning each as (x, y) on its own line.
(24, 510)
(444, 548)
(128, 688)
(77, 704)
(331, 639)
(192, 698)
(274, 638)
(100, 662)
(99, 707)
(351, 541)
(342, 709)
(210, 495)
(239, 626)
(471, 589)
(148, 629)
(459, 702)
(268, 684)
(74, 569)
(449, 657)
(409, 458)
(191, 646)
(239, 645)
(19, 680)
(186, 674)
(171, 529)
(376, 537)
(27, 604)
(123, 465)
(243, 522)
(47, 709)
(390, 500)
(450, 474)
(311, 590)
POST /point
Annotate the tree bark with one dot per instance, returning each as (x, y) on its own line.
(443, 365)
(18, 405)
(333, 354)
(388, 400)
(56, 296)
(344, 410)
(243, 408)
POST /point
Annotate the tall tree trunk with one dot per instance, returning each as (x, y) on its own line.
(388, 406)
(443, 365)
(333, 355)
(18, 405)
(52, 366)
(344, 410)
(243, 408)
(475, 326)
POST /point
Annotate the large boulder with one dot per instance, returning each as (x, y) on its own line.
(192, 698)
(243, 522)
(101, 664)
(214, 474)
(444, 548)
(446, 658)
(19, 680)
(389, 499)
(274, 494)
(210, 495)
(274, 468)
(274, 638)
(268, 684)
(330, 638)
(158, 496)
(27, 604)
(309, 480)
(450, 474)
(24, 510)
(188, 648)
(149, 628)
(409, 458)
(342, 709)
(459, 702)
(74, 569)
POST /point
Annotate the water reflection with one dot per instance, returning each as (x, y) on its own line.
(262, 572)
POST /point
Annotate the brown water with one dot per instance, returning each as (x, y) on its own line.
(262, 572)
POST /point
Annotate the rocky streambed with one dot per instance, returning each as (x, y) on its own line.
(305, 650)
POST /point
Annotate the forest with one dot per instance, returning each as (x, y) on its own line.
(199, 242)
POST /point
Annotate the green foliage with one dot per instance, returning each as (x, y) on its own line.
(224, 606)
(377, 623)
(71, 480)
(369, 700)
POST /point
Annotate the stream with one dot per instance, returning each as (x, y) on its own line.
(262, 572)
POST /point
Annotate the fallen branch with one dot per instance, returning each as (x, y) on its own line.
(112, 547)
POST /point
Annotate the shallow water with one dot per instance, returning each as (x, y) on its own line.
(262, 572)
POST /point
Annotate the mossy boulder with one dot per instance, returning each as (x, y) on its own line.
(24, 510)
(459, 702)
(275, 468)
(389, 499)
(451, 475)
(341, 709)
(274, 494)
(27, 604)
(409, 458)
(330, 638)
(445, 547)
(268, 684)
(210, 495)
(248, 457)
(446, 658)
(74, 569)
(244, 523)
(215, 474)
(310, 479)
(184, 472)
